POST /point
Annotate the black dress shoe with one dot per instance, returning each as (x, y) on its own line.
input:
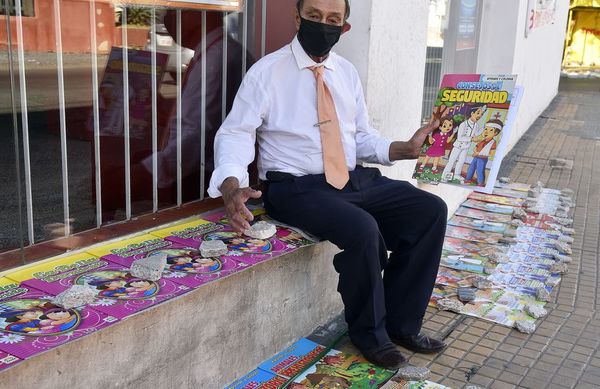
(386, 356)
(419, 343)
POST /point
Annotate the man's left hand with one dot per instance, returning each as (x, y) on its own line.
(412, 148)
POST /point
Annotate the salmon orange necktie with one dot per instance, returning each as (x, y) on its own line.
(334, 160)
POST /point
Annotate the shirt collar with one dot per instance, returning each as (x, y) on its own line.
(304, 61)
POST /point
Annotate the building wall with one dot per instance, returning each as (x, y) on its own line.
(39, 33)
(536, 59)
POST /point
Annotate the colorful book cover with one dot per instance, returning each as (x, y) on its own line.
(477, 224)
(472, 235)
(185, 265)
(189, 233)
(467, 248)
(496, 313)
(488, 207)
(514, 186)
(483, 215)
(8, 360)
(542, 221)
(471, 263)
(339, 369)
(120, 294)
(241, 248)
(259, 379)
(31, 324)
(517, 280)
(509, 193)
(454, 278)
(293, 359)
(544, 251)
(526, 258)
(475, 113)
(495, 199)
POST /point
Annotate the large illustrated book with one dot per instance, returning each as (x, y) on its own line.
(476, 113)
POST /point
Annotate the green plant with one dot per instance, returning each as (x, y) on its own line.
(136, 16)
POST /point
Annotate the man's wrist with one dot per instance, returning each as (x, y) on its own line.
(401, 150)
(229, 185)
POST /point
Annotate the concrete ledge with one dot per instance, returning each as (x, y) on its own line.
(205, 339)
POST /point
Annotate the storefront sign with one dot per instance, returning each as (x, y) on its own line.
(213, 5)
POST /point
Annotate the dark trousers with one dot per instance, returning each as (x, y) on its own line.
(371, 215)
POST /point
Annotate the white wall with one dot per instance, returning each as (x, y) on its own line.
(536, 59)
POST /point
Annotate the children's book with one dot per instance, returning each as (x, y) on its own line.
(477, 224)
(293, 359)
(471, 263)
(514, 186)
(8, 360)
(185, 264)
(476, 113)
(120, 294)
(339, 369)
(509, 193)
(526, 258)
(467, 248)
(483, 215)
(454, 278)
(496, 199)
(472, 235)
(259, 379)
(489, 207)
(30, 323)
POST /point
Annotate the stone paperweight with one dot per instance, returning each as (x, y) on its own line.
(76, 296)
(150, 268)
(261, 230)
(213, 248)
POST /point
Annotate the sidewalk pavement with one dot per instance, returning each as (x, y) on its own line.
(564, 350)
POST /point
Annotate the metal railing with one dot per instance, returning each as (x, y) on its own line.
(20, 78)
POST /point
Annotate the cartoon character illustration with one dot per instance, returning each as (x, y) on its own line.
(189, 261)
(484, 150)
(27, 322)
(466, 131)
(57, 320)
(119, 284)
(439, 140)
(236, 242)
(37, 318)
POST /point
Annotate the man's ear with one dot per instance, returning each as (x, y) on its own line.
(346, 27)
(297, 17)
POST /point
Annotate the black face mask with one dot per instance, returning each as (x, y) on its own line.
(317, 39)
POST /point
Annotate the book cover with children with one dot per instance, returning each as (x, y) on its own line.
(259, 379)
(342, 370)
(119, 293)
(294, 359)
(30, 323)
(475, 113)
(483, 215)
(185, 265)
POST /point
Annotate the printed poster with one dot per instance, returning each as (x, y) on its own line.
(476, 113)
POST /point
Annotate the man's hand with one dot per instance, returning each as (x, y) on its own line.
(412, 148)
(235, 199)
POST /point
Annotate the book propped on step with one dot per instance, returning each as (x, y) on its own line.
(293, 359)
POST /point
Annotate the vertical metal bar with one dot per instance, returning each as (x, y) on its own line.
(13, 97)
(62, 115)
(25, 123)
(244, 39)
(96, 112)
(203, 110)
(154, 114)
(263, 35)
(126, 116)
(179, 110)
(224, 78)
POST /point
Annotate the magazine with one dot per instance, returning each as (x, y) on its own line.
(259, 379)
(119, 293)
(483, 215)
(478, 224)
(489, 207)
(472, 235)
(497, 199)
(476, 113)
(293, 359)
(30, 323)
(339, 369)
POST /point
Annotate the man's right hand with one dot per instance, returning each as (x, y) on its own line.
(235, 199)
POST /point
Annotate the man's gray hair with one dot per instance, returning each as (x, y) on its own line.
(300, 4)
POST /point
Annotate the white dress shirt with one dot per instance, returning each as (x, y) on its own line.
(277, 102)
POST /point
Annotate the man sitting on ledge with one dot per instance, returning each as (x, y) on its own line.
(307, 107)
